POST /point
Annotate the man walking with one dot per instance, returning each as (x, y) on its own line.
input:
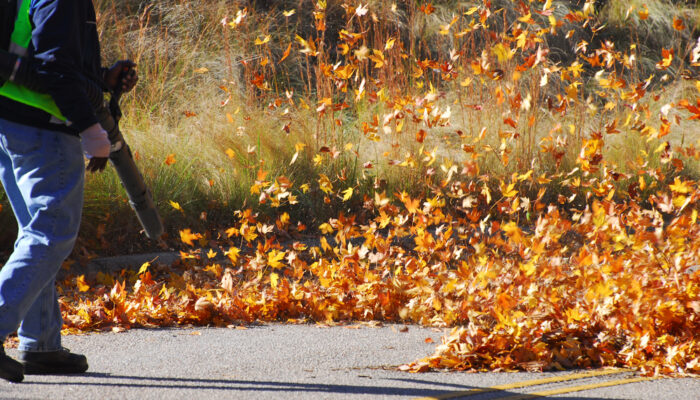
(42, 140)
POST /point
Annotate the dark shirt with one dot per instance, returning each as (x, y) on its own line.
(65, 46)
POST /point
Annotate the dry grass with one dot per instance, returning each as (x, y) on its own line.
(198, 99)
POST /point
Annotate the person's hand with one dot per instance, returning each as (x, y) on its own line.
(96, 145)
(122, 76)
(97, 164)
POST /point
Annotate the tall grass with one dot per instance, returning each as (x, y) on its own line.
(265, 104)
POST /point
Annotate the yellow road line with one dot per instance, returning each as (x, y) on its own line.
(553, 392)
(517, 385)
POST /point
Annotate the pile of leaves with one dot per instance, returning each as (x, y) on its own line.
(613, 284)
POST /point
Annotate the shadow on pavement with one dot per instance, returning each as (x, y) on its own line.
(146, 382)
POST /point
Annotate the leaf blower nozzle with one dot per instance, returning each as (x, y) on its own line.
(122, 160)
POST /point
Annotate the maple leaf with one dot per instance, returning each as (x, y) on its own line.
(187, 237)
(233, 253)
(411, 204)
(347, 194)
(508, 191)
(325, 184)
(274, 257)
(680, 186)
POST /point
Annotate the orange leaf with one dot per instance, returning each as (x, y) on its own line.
(82, 285)
(420, 136)
(286, 53)
(188, 237)
(678, 24)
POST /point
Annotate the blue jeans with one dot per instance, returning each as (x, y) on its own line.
(43, 173)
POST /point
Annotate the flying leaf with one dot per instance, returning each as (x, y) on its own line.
(260, 42)
(176, 206)
(286, 53)
(144, 268)
(347, 194)
(678, 24)
(186, 236)
(82, 285)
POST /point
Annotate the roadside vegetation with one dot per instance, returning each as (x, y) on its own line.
(524, 170)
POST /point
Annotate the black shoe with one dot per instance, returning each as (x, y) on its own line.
(53, 362)
(10, 369)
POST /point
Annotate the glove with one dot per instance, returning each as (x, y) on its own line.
(122, 76)
(95, 142)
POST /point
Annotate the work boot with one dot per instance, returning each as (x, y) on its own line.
(10, 369)
(58, 362)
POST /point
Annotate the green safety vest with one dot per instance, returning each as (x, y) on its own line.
(19, 42)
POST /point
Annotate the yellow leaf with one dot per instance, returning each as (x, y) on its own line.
(144, 267)
(82, 285)
(324, 244)
(289, 13)
(502, 52)
(274, 279)
(527, 19)
(508, 191)
(528, 269)
(347, 194)
(232, 254)
(201, 70)
(176, 206)
(325, 184)
(326, 228)
(260, 42)
(679, 186)
(471, 11)
(274, 257)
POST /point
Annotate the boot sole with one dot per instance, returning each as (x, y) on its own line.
(11, 376)
(41, 369)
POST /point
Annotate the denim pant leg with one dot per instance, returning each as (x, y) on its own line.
(43, 175)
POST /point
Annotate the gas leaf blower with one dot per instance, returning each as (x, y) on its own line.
(19, 70)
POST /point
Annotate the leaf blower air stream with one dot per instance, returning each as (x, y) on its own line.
(18, 70)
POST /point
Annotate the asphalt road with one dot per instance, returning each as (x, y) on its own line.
(294, 362)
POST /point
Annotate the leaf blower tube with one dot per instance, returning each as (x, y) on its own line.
(19, 71)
